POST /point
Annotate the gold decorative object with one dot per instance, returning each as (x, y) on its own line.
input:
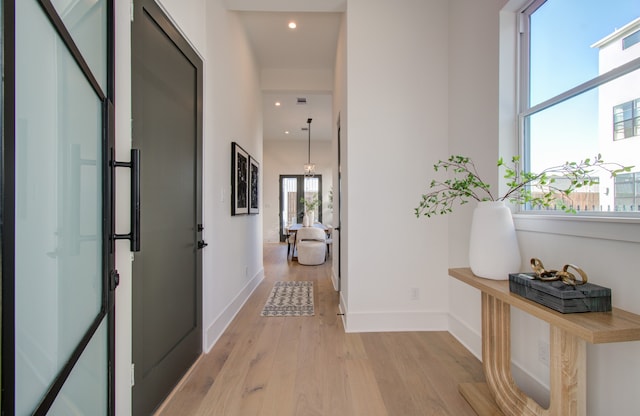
(565, 275)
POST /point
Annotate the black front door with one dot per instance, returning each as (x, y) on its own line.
(167, 272)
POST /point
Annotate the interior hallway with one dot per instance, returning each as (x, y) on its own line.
(310, 366)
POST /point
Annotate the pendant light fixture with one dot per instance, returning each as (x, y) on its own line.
(309, 168)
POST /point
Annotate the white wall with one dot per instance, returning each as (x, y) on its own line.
(473, 132)
(232, 263)
(484, 93)
(397, 106)
(286, 157)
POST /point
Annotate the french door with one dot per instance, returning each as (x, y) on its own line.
(58, 284)
(293, 189)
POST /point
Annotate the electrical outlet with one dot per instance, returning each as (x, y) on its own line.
(415, 293)
(543, 352)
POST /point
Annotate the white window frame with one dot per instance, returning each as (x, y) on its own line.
(525, 110)
(514, 89)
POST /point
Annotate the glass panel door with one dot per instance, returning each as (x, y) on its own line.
(62, 329)
(294, 189)
(311, 193)
(82, 18)
(290, 206)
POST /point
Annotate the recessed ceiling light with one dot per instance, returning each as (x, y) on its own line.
(286, 132)
(292, 25)
(277, 103)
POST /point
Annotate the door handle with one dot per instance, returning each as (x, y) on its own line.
(202, 244)
(134, 165)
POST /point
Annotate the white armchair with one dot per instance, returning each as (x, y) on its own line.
(311, 245)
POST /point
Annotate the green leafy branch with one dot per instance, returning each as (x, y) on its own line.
(536, 189)
(311, 203)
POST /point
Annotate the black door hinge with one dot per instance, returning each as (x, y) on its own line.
(114, 279)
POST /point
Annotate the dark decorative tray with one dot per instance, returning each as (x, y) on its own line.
(559, 296)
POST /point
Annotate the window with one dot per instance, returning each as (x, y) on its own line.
(631, 40)
(627, 190)
(294, 189)
(576, 66)
(626, 120)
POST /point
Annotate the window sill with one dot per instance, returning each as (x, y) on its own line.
(617, 228)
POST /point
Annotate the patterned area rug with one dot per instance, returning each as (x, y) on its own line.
(290, 299)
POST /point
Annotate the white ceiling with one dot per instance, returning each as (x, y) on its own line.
(292, 117)
(287, 5)
(311, 46)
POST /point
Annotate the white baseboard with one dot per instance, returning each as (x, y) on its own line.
(395, 321)
(530, 385)
(343, 312)
(217, 328)
(467, 336)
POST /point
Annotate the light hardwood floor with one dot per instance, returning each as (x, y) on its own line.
(309, 366)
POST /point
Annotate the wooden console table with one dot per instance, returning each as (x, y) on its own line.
(569, 334)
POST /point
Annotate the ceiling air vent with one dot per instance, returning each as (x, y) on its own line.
(302, 100)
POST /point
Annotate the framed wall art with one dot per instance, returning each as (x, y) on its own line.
(239, 180)
(254, 178)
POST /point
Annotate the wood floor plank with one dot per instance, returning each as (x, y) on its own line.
(479, 397)
(261, 368)
(364, 387)
(336, 392)
(308, 366)
(279, 392)
(403, 389)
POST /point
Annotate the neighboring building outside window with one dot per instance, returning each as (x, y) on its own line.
(574, 72)
(627, 192)
(626, 120)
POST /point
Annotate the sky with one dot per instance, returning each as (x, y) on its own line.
(562, 57)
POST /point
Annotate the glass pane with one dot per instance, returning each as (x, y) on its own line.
(631, 40)
(583, 127)
(58, 205)
(290, 202)
(311, 187)
(86, 20)
(85, 392)
(564, 37)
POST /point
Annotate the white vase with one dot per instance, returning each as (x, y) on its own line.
(307, 220)
(493, 245)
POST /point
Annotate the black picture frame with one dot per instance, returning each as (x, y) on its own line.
(239, 180)
(254, 189)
